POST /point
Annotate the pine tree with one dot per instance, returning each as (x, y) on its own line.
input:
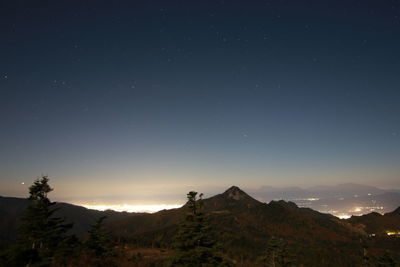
(277, 254)
(41, 233)
(99, 244)
(193, 243)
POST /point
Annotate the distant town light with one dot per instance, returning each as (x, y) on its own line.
(391, 233)
(343, 216)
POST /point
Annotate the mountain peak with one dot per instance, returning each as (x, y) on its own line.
(236, 193)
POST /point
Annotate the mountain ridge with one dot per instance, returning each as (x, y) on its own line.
(243, 226)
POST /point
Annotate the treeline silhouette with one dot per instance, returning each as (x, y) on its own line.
(45, 240)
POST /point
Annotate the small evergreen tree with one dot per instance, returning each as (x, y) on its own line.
(277, 254)
(193, 243)
(41, 233)
(99, 243)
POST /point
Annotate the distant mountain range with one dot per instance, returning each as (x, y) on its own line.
(242, 226)
(267, 193)
(341, 200)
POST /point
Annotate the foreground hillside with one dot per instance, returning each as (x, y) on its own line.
(243, 226)
(245, 230)
(377, 224)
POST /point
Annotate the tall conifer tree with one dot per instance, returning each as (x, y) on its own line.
(41, 233)
(193, 243)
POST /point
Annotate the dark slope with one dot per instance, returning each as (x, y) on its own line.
(375, 223)
(243, 226)
(396, 212)
(11, 210)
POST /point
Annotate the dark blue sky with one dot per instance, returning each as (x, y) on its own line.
(111, 97)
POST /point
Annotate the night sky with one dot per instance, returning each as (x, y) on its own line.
(137, 100)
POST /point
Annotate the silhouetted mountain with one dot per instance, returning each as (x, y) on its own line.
(233, 196)
(11, 210)
(243, 226)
